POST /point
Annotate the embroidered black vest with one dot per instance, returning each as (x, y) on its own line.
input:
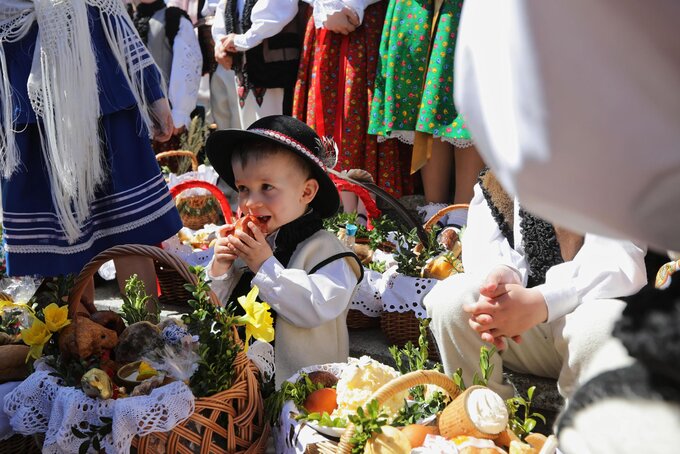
(274, 62)
(144, 13)
(541, 248)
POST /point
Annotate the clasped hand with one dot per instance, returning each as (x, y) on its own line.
(505, 309)
(344, 22)
(253, 250)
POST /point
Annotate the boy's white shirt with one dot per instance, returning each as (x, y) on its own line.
(185, 75)
(328, 290)
(603, 267)
(269, 17)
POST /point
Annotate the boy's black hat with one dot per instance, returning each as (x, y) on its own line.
(292, 134)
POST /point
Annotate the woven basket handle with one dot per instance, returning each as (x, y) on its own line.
(397, 385)
(214, 190)
(187, 153)
(436, 217)
(166, 258)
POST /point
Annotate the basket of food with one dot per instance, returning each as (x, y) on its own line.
(193, 246)
(109, 383)
(364, 406)
(420, 264)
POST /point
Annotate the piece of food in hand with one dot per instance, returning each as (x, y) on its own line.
(241, 225)
(321, 401)
(478, 412)
(416, 433)
(96, 383)
(145, 371)
(390, 441)
(327, 379)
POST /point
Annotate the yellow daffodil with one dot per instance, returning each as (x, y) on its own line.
(258, 320)
(56, 317)
(36, 337)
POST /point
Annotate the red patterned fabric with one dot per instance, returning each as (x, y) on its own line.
(333, 95)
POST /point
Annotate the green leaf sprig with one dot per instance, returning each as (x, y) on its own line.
(137, 305)
(366, 423)
(218, 345)
(297, 392)
(522, 420)
(408, 261)
(485, 367)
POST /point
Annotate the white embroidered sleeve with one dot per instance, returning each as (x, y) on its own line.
(306, 300)
(218, 29)
(603, 268)
(185, 76)
(269, 17)
(484, 246)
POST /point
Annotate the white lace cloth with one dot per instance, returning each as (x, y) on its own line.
(41, 405)
(262, 355)
(291, 436)
(203, 173)
(368, 297)
(187, 253)
(405, 293)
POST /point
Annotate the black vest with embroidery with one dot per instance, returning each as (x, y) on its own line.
(274, 62)
(541, 248)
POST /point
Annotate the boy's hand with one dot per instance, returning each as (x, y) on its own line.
(514, 311)
(254, 250)
(228, 43)
(222, 56)
(224, 256)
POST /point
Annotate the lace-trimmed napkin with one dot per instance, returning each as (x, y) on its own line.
(41, 405)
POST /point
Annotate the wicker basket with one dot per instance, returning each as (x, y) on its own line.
(170, 282)
(231, 421)
(172, 157)
(355, 318)
(401, 327)
(21, 444)
(387, 391)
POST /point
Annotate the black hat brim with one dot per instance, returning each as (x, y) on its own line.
(221, 144)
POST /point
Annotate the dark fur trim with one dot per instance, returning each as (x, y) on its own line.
(142, 16)
(500, 203)
(173, 16)
(540, 244)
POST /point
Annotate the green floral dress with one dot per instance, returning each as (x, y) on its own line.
(414, 84)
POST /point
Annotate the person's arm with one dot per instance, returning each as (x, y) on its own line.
(268, 17)
(306, 300)
(359, 6)
(484, 246)
(218, 29)
(225, 283)
(185, 75)
(603, 268)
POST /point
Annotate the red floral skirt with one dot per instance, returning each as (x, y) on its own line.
(333, 95)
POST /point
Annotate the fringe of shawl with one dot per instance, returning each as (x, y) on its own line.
(64, 93)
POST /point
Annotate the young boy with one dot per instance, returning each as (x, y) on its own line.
(278, 167)
(547, 289)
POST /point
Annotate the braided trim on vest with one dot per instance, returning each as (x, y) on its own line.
(500, 204)
(541, 248)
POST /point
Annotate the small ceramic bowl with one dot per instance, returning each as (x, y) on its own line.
(127, 375)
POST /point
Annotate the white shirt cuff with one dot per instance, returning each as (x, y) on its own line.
(560, 301)
(221, 277)
(241, 43)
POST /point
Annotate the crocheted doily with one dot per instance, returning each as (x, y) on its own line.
(405, 293)
(41, 405)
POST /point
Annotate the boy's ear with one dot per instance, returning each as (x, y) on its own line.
(310, 190)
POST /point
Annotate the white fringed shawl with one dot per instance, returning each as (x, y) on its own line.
(63, 91)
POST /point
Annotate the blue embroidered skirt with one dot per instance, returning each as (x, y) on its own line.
(133, 206)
